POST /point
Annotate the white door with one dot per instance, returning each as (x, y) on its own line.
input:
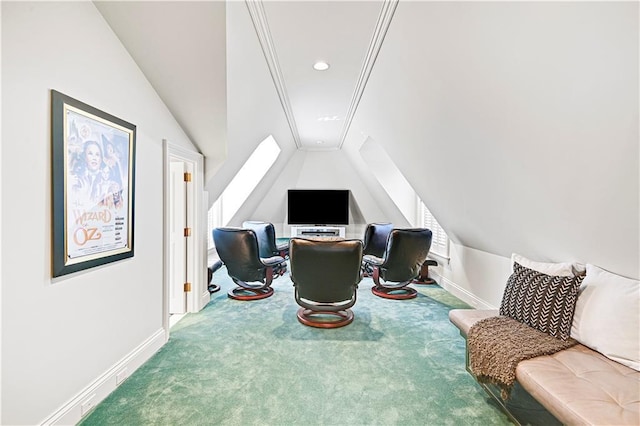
(177, 240)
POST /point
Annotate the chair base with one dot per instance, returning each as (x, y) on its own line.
(312, 318)
(423, 276)
(424, 281)
(367, 271)
(210, 270)
(395, 293)
(241, 293)
(279, 270)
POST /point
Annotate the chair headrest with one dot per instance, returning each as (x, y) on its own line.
(266, 233)
(406, 250)
(238, 249)
(325, 271)
(375, 238)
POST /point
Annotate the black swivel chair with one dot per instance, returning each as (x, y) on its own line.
(375, 241)
(406, 251)
(238, 250)
(266, 233)
(325, 275)
(212, 287)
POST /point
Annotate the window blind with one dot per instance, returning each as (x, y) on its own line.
(440, 241)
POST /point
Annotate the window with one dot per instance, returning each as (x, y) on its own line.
(390, 178)
(440, 241)
(403, 195)
(214, 220)
(240, 187)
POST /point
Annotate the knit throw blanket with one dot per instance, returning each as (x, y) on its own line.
(497, 344)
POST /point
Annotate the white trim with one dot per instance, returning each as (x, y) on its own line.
(259, 19)
(175, 318)
(197, 241)
(379, 33)
(71, 412)
(461, 293)
(205, 297)
(1, 210)
(438, 256)
(319, 148)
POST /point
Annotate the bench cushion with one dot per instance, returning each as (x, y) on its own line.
(577, 385)
(465, 318)
(581, 386)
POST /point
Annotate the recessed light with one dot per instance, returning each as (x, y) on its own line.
(321, 66)
(329, 118)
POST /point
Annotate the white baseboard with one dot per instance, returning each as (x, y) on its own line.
(205, 298)
(461, 293)
(79, 406)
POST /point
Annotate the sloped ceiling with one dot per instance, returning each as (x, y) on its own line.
(303, 33)
(516, 122)
(181, 48)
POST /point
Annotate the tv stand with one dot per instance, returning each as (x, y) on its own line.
(318, 231)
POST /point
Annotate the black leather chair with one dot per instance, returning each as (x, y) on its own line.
(375, 241)
(211, 269)
(238, 250)
(325, 275)
(266, 234)
(406, 251)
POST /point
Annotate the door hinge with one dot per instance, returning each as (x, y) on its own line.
(187, 177)
(187, 287)
(187, 232)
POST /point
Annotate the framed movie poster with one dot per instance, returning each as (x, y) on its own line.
(93, 186)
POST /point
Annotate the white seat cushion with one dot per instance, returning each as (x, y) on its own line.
(465, 318)
(581, 386)
(577, 385)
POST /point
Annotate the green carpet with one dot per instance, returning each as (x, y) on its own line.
(401, 362)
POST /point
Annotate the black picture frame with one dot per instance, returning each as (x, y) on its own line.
(93, 191)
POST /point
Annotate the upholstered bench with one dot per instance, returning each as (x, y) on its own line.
(577, 385)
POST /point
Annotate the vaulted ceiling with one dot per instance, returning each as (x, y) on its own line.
(181, 49)
(179, 46)
(514, 121)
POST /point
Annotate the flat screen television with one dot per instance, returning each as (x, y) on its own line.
(318, 206)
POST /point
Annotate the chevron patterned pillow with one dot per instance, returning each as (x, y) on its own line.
(541, 301)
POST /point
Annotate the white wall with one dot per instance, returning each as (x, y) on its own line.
(248, 177)
(390, 178)
(329, 170)
(517, 124)
(203, 108)
(1, 218)
(475, 276)
(378, 207)
(58, 336)
(253, 108)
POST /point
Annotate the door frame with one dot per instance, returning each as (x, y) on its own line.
(178, 262)
(196, 217)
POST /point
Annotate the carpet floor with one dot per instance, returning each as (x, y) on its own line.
(401, 362)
